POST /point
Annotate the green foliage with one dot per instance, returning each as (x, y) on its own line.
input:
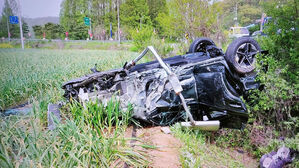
(53, 31)
(274, 144)
(78, 32)
(141, 38)
(247, 12)
(38, 31)
(273, 110)
(181, 20)
(147, 37)
(24, 142)
(233, 138)
(135, 14)
(72, 18)
(5, 45)
(9, 9)
(276, 104)
(166, 23)
(156, 7)
(33, 74)
(196, 151)
(82, 139)
(283, 35)
(256, 27)
(100, 117)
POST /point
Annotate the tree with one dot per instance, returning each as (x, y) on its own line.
(156, 7)
(10, 9)
(135, 13)
(283, 34)
(193, 17)
(248, 14)
(248, 11)
(38, 31)
(72, 18)
(53, 31)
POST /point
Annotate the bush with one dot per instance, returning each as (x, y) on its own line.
(5, 45)
(277, 103)
(141, 38)
(146, 37)
(283, 35)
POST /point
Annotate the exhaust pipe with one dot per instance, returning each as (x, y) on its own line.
(203, 125)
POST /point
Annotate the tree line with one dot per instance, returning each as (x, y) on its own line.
(11, 9)
(171, 19)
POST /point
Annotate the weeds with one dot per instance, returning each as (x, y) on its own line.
(86, 139)
(91, 137)
(196, 152)
(36, 74)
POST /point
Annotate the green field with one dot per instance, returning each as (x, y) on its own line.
(36, 76)
(39, 74)
(87, 137)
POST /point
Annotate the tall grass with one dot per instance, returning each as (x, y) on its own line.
(87, 137)
(90, 137)
(34, 73)
(197, 152)
(103, 118)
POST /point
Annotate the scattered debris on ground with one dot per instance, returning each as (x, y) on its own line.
(278, 159)
(53, 115)
(22, 109)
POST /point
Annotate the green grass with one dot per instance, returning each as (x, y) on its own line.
(79, 141)
(39, 74)
(198, 152)
(86, 137)
(89, 45)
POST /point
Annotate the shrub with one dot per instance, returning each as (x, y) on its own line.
(283, 35)
(146, 37)
(5, 45)
(277, 103)
(141, 38)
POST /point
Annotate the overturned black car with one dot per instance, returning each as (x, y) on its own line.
(205, 84)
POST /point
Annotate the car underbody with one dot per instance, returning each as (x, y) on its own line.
(210, 87)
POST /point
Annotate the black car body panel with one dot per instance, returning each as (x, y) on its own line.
(210, 86)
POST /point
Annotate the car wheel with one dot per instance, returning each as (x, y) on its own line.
(241, 54)
(200, 45)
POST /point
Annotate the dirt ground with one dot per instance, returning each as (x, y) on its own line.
(163, 149)
(166, 153)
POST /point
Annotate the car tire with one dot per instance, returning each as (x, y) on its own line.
(241, 54)
(200, 44)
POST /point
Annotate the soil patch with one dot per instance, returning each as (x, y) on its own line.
(163, 150)
(166, 151)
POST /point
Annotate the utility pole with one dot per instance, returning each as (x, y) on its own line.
(236, 15)
(7, 15)
(21, 30)
(118, 31)
(90, 28)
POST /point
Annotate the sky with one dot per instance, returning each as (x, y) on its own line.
(37, 8)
